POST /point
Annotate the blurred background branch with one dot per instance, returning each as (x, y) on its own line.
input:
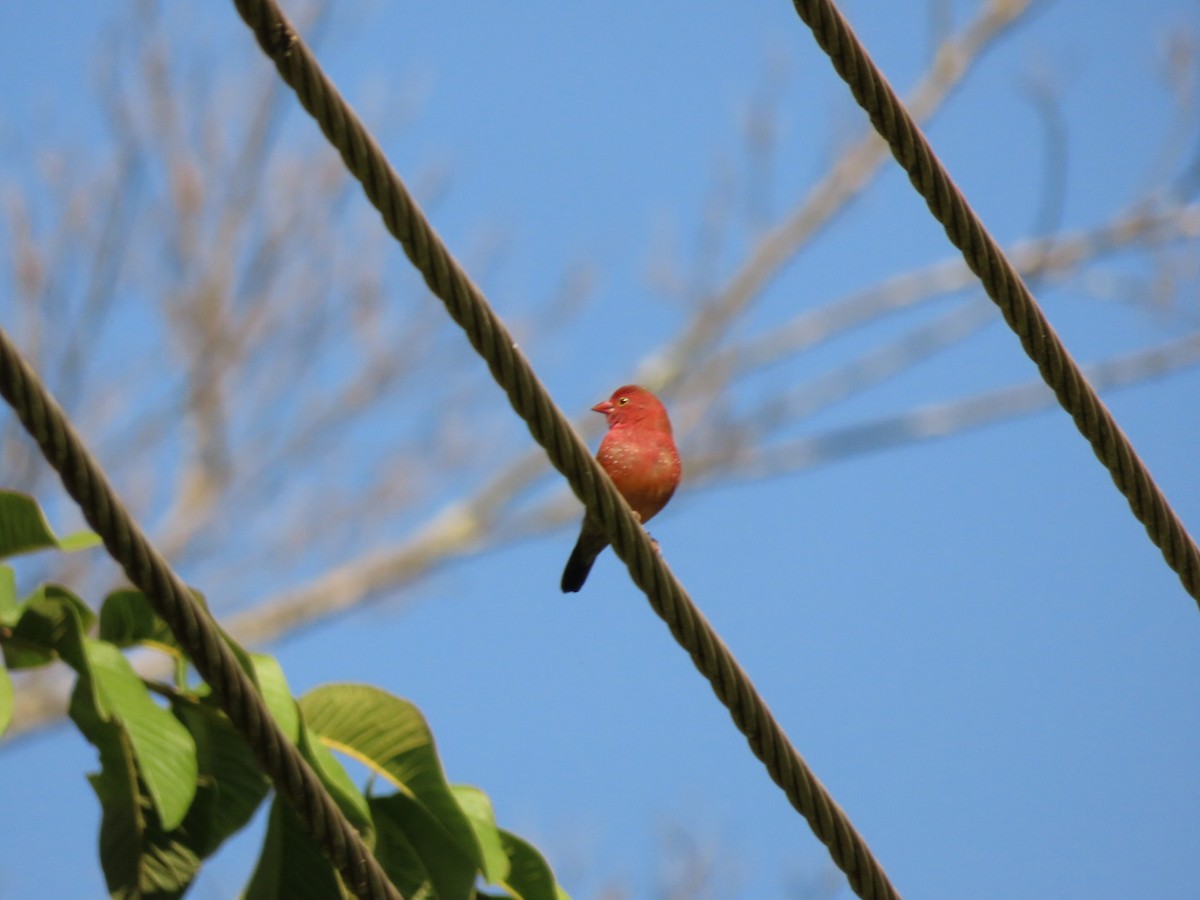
(229, 329)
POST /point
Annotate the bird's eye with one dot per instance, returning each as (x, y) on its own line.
(622, 401)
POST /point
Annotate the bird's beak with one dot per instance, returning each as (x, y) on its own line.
(604, 408)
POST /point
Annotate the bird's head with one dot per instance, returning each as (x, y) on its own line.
(632, 404)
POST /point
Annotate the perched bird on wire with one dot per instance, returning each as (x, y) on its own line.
(639, 455)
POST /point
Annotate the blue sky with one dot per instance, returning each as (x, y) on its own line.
(971, 640)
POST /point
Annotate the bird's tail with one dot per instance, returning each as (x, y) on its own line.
(587, 548)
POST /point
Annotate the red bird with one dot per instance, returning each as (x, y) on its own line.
(639, 455)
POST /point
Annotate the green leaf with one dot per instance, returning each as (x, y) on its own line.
(140, 860)
(123, 821)
(390, 736)
(275, 692)
(128, 619)
(230, 784)
(6, 700)
(52, 602)
(530, 876)
(403, 822)
(164, 751)
(290, 864)
(333, 775)
(396, 853)
(79, 540)
(273, 686)
(168, 866)
(10, 608)
(24, 529)
(478, 809)
(51, 626)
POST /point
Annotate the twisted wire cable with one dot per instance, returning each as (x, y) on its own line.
(192, 626)
(1004, 285)
(566, 451)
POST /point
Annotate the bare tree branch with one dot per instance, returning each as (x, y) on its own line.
(275, 343)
